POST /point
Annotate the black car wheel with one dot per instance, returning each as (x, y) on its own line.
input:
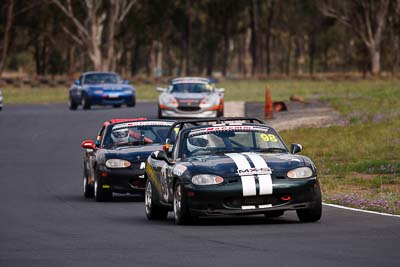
(72, 104)
(314, 213)
(88, 190)
(181, 210)
(85, 101)
(153, 211)
(101, 194)
(274, 213)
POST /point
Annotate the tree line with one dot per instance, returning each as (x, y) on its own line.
(199, 37)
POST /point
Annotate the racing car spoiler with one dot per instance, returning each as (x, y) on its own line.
(196, 122)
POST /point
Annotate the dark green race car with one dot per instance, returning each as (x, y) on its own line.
(230, 166)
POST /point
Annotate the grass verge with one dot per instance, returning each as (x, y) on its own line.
(359, 165)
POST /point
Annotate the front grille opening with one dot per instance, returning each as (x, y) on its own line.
(189, 108)
(238, 202)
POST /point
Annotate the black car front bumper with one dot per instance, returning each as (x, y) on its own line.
(228, 199)
(129, 180)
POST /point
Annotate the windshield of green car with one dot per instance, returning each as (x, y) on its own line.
(230, 139)
(191, 88)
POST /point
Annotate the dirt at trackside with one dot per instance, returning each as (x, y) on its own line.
(314, 113)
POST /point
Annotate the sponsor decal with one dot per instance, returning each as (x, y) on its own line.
(179, 170)
(254, 171)
(234, 128)
(265, 206)
(248, 182)
(248, 207)
(268, 137)
(112, 95)
(105, 186)
(142, 165)
(188, 101)
(209, 130)
(163, 179)
(179, 81)
(228, 128)
(264, 180)
(288, 157)
(142, 123)
(248, 174)
(152, 176)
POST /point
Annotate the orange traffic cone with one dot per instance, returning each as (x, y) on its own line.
(268, 104)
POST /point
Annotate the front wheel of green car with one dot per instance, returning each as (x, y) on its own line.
(153, 211)
(181, 210)
(314, 213)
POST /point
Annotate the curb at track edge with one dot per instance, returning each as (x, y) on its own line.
(360, 210)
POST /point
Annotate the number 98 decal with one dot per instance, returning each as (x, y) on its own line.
(268, 137)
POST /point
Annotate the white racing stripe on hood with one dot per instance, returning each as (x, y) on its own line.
(248, 182)
(264, 180)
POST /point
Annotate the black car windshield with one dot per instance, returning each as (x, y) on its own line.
(99, 78)
(230, 139)
(192, 88)
(136, 134)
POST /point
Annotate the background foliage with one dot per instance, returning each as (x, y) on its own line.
(207, 37)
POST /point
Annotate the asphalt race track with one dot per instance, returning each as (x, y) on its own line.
(45, 221)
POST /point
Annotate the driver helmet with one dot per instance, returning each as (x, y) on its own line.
(120, 135)
(197, 142)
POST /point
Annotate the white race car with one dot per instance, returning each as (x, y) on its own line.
(191, 97)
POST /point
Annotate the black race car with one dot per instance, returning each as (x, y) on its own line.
(116, 161)
(230, 166)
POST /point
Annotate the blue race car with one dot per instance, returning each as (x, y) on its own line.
(101, 88)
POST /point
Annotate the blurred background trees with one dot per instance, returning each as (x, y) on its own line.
(241, 38)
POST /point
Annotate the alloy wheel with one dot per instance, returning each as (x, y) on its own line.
(147, 199)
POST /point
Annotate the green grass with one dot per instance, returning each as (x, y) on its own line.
(245, 90)
(25, 95)
(45, 95)
(359, 165)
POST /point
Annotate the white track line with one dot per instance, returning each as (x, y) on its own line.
(365, 211)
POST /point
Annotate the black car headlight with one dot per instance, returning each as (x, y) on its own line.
(207, 179)
(303, 172)
(117, 163)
